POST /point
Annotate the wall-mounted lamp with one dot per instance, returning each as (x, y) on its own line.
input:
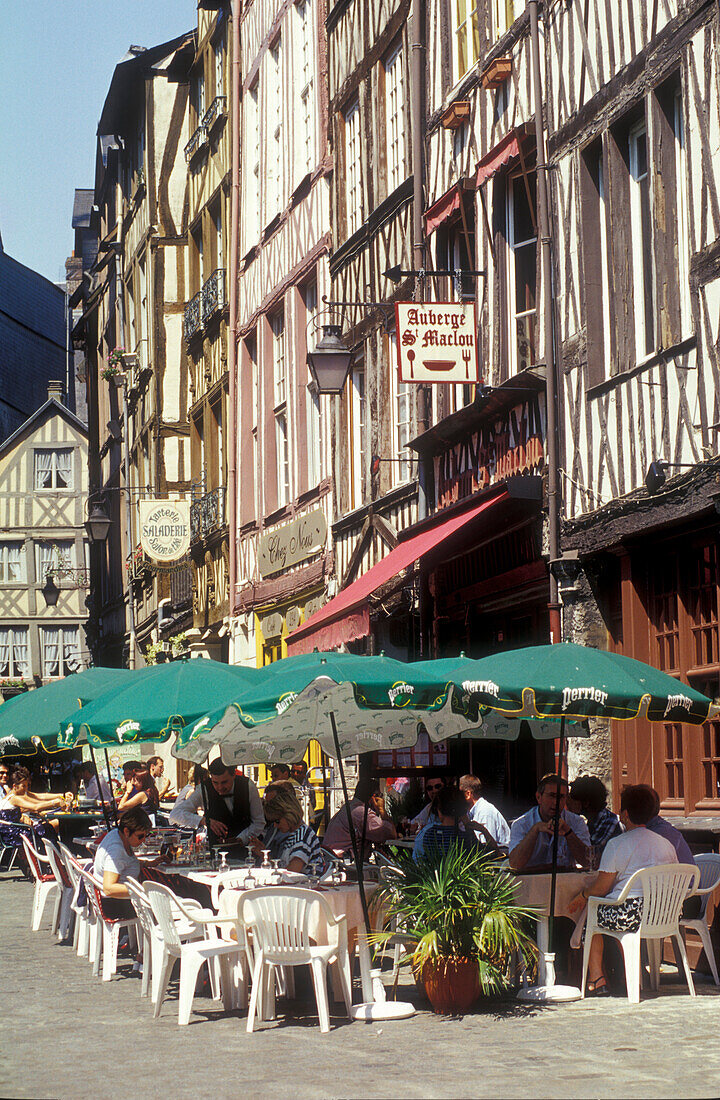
(656, 475)
(98, 524)
(330, 362)
(50, 591)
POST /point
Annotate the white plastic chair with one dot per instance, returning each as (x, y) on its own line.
(84, 914)
(709, 866)
(110, 927)
(226, 881)
(45, 885)
(193, 953)
(279, 921)
(153, 943)
(64, 886)
(664, 889)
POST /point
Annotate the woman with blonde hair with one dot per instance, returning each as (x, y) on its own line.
(288, 839)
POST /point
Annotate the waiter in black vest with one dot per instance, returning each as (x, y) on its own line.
(231, 803)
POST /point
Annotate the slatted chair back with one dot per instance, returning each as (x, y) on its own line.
(280, 921)
(708, 864)
(57, 863)
(163, 904)
(665, 888)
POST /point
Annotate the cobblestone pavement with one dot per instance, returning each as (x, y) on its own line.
(65, 1034)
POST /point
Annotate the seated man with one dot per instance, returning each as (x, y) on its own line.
(156, 767)
(588, 796)
(662, 827)
(531, 836)
(634, 849)
(86, 774)
(232, 803)
(485, 820)
(369, 817)
(438, 836)
(433, 785)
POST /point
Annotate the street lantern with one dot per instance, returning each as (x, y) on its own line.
(50, 591)
(98, 524)
(330, 362)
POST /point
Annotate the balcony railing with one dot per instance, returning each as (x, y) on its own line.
(196, 143)
(215, 111)
(207, 514)
(193, 321)
(213, 294)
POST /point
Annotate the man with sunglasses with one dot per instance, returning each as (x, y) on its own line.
(433, 785)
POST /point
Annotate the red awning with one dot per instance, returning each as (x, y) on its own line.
(346, 617)
(500, 155)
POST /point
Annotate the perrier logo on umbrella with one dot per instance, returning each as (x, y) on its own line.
(128, 730)
(401, 694)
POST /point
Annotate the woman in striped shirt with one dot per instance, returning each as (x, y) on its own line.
(293, 843)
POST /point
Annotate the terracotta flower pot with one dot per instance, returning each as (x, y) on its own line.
(452, 985)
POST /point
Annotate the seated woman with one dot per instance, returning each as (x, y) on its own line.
(116, 861)
(588, 796)
(295, 845)
(634, 849)
(140, 793)
(25, 814)
(196, 775)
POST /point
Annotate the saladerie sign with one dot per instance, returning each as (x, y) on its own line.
(512, 444)
(165, 529)
(292, 543)
(437, 342)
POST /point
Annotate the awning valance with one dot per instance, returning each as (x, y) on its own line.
(500, 155)
(447, 205)
(346, 617)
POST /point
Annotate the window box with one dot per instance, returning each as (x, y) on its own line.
(9, 688)
(497, 72)
(455, 115)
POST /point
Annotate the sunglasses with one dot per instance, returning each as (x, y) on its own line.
(434, 787)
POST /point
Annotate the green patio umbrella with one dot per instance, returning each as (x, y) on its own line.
(566, 682)
(575, 681)
(348, 703)
(33, 718)
(155, 703)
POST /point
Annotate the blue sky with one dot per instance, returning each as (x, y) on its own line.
(58, 58)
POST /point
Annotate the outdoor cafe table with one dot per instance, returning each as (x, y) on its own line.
(534, 891)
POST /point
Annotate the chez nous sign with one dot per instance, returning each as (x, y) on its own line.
(292, 543)
(513, 443)
(437, 342)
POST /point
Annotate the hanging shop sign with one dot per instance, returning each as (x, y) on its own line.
(165, 529)
(511, 444)
(437, 342)
(292, 543)
(271, 625)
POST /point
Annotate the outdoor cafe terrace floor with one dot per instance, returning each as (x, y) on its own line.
(65, 1034)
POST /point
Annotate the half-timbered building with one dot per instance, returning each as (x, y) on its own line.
(284, 489)
(133, 330)
(207, 154)
(43, 489)
(375, 476)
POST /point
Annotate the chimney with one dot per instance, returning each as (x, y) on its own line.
(56, 391)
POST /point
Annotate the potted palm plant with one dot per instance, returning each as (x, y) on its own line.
(458, 908)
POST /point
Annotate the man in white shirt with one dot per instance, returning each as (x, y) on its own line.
(489, 821)
(88, 777)
(531, 836)
(633, 850)
(234, 809)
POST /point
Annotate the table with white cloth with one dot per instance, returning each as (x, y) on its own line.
(343, 900)
(534, 892)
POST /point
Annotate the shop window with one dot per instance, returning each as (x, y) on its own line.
(664, 611)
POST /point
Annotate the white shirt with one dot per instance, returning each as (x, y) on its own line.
(189, 811)
(113, 856)
(630, 852)
(423, 817)
(484, 813)
(542, 852)
(91, 789)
